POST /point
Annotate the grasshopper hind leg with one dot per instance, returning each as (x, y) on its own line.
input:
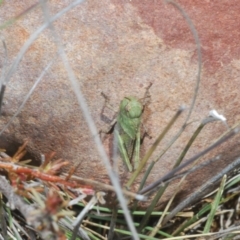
(123, 151)
(137, 151)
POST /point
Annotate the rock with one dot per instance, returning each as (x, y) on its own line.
(118, 48)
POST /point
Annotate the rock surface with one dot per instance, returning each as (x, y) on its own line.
(119, 47)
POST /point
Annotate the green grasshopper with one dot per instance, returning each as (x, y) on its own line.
(127, 130)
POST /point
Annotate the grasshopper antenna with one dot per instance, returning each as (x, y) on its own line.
(146, 95)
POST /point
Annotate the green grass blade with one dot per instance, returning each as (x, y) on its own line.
(215, 205)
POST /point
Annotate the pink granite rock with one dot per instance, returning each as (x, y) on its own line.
(119, 47)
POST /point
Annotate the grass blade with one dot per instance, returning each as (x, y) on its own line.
(215, 205)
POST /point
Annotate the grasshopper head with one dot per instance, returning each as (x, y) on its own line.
(132, 107)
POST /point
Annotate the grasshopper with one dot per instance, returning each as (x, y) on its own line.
(127, 129)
